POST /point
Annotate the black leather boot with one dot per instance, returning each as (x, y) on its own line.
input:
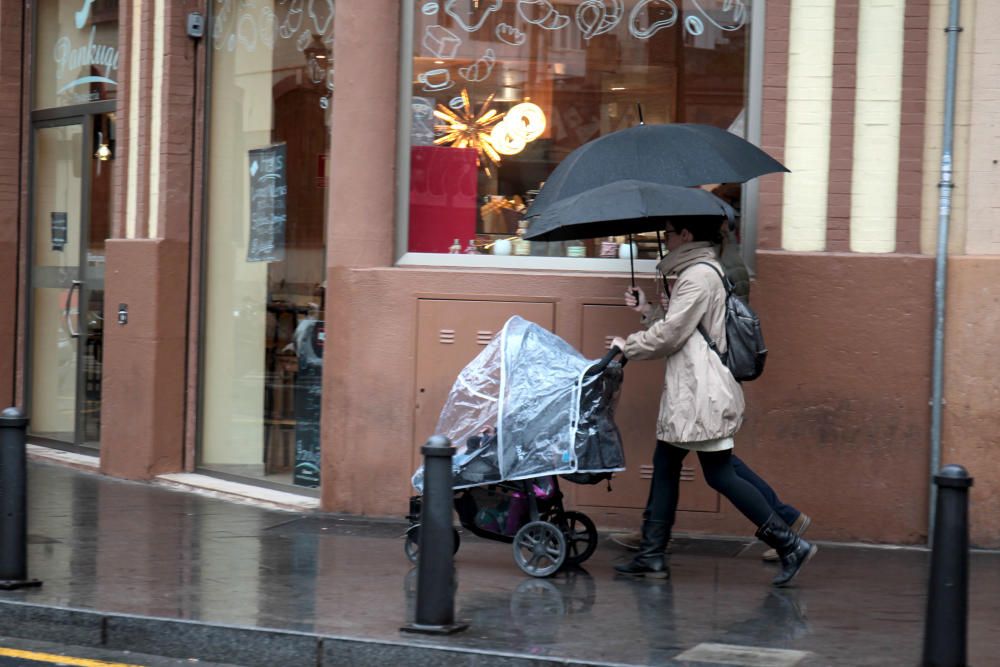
(793, 550)
(650, 561)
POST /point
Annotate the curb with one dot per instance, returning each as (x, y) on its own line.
(204, 485)
(82, 462)
(237, 492)
(247, 646)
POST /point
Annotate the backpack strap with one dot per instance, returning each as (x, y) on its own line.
(728, 287)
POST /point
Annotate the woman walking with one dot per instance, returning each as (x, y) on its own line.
(701, 406)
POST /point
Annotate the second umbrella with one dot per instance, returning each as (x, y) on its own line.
(623, 207)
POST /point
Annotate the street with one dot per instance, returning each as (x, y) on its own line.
(24, 653)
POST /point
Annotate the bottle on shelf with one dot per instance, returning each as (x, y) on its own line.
(521, 245)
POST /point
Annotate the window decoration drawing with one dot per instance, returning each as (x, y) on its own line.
(520, 84)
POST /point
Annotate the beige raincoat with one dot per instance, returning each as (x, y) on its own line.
(702, 404)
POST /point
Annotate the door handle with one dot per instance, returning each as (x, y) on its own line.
(77, 285)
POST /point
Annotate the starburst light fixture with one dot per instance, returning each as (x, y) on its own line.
(490, 132)
(465, 129)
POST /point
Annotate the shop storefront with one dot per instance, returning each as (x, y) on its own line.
(271, 83)
(72, 148)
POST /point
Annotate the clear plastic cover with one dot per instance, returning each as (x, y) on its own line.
(526, 407)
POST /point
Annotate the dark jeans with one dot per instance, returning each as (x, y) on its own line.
(788, 513)
(720, 472)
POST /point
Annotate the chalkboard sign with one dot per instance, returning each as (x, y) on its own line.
(309, 340)
(60, 230)
(267, 204)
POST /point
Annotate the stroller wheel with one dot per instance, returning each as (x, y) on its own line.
(581, 536)
(539, 548)
(411, 546)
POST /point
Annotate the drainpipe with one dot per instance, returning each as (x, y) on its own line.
(944, 217)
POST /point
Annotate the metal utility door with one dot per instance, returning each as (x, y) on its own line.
(70, 196)
(450, 333)
(638, 406)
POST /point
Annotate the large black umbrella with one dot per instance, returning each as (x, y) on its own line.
(624, 208)
(676, 154)
(620, 208)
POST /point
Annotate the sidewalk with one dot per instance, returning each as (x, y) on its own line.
(129, 565)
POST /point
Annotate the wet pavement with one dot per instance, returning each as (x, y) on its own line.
(122, 549)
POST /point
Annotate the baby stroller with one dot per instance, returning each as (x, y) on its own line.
(528, 410)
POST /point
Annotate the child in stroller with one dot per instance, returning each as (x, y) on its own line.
(526, 410)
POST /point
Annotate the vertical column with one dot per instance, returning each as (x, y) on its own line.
(11, 119)
(807, 134)
(148, 269)
(365, 105)
(137, 87)
(156, 120)
(876, 126)
(361, 218)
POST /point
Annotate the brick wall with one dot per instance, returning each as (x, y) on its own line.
(911, 129)
(845, 61)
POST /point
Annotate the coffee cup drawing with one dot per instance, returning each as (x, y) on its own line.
(435, 80)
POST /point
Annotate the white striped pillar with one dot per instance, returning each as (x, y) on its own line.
(807, 123)
(877, 106)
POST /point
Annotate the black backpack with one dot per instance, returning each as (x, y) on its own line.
(745, 350)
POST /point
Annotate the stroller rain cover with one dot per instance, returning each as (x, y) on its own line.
(526, 407)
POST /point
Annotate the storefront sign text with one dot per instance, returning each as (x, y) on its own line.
(70, 59)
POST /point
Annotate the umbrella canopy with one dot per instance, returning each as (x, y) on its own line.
(676, 154)
(623, 207)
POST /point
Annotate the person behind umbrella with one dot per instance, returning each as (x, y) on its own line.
(701, 407)
(735, 270)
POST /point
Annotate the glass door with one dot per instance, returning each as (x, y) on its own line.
(71, 188)
(97, 229)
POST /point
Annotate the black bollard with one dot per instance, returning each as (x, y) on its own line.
(13, 502)
(435, 560)
(945, 630)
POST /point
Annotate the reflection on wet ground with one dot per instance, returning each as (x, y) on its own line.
(133, 548)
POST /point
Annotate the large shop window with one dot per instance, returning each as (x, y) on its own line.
(503, 90)
(270, 94)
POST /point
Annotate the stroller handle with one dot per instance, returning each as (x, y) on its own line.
(605, 360)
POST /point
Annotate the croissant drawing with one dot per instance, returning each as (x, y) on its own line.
(542, 14)
(481, 69)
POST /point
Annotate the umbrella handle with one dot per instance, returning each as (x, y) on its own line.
(631, 264)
